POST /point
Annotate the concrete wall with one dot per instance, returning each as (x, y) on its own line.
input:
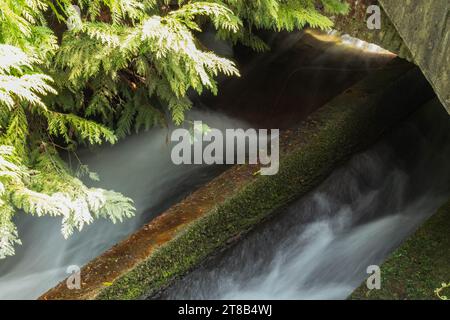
(417, 30)
(387, 37)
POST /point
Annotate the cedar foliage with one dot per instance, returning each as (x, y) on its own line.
(96, 72)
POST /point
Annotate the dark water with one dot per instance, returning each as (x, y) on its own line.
(321, 246)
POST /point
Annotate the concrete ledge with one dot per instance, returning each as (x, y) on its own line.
(218, 214)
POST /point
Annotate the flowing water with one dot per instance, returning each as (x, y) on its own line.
(140, 166)
(320, 247)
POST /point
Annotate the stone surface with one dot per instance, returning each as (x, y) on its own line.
(417, 30)
(424, 28)
(387, 37)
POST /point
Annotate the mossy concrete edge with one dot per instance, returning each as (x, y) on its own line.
(344, 126)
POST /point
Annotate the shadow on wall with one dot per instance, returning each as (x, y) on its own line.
(302, 72)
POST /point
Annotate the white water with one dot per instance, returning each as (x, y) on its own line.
(321, 246)
(139, 167)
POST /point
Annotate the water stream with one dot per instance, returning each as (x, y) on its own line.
(321, 246)
(140, 166)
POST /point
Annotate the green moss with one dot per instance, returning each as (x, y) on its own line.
(344, 126)
(419, 266)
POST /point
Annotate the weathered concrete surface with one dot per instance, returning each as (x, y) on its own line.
(424, 26)
(417, 30)
(355, 25)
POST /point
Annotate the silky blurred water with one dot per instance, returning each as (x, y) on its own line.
(321, 246)
(139, 167)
